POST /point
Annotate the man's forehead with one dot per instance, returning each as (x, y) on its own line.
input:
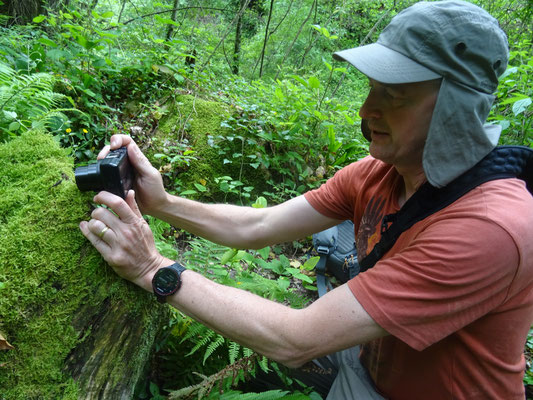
(404, 87)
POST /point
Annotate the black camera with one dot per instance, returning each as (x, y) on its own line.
(113, 174)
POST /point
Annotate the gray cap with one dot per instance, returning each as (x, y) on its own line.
(460, 43)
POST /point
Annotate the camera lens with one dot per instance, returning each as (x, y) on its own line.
(88, 178)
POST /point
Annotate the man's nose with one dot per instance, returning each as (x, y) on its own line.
(371, 108)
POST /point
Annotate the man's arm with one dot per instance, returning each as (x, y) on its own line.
(334, 322)
(230, 225)
(245, 227)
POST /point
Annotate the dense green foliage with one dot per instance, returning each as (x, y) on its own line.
(236, 101)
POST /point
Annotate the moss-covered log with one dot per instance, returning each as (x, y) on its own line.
(77, 330)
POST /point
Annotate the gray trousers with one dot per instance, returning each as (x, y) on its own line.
(352, 380)
(339, 376)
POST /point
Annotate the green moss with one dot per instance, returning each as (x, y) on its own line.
(49, 272)
(195, 120)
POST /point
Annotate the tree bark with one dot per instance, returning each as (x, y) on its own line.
(237, 45)
(297, 35)
(170, 29)
(266, 38)
(111, 361)
(75, 327)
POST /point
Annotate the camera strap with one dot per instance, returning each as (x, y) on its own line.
(501, 163)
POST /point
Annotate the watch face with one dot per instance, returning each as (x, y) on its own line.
(166, 281)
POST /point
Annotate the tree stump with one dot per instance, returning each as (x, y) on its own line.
(76, 330)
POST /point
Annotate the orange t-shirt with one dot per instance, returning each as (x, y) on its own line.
(455, 291)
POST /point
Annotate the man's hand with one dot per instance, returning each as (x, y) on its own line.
(150, 192)
(125, 239)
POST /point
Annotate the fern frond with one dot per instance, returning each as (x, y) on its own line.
(269, 395)
(234, 349)
(219, 341)
(202, 342)
(6, 74)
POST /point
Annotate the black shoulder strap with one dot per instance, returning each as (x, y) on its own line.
(503, 162)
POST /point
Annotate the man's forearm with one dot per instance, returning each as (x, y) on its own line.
(244, 227)
(290, 336)
(229, 225)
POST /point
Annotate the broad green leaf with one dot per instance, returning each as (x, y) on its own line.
(311, 263)
(47, 42)
(261, 202)
(228, 255)
(283, 282)
(13, 126)
(521, 105)
(38, 19)
(314, 83)
(201, 188)
(108, 14)
(301, 80)
(264, 252)
(188, 192)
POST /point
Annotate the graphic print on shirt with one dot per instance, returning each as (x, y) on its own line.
(369, 231)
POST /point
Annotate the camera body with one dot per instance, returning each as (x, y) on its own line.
(113, 174)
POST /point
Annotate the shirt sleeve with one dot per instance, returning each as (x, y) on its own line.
(331, 198)
(452, 273)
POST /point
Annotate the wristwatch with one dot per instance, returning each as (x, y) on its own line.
(167, 281)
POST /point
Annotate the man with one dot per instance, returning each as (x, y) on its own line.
(445, 313)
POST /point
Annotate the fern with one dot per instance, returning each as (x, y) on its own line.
(234, 349)
(215, 344)
(270, 395)
(29, 102)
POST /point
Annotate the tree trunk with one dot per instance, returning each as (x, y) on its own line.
(266, 37)
(296, 37)
(76, 328)
(106, 365)
(170, 29)
(237, 46)
(22, 12)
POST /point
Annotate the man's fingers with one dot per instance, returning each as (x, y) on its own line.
(138, 159)
(130, 200)
(100, 245)
(118, 141)
(118, 205)
(104, 152)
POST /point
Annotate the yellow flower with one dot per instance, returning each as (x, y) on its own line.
(85, 131)
(68, 130)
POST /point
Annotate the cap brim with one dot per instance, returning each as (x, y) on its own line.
(385, 65)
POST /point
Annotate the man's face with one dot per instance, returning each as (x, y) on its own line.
(399, 117)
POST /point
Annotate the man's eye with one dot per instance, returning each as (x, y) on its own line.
(391, 93)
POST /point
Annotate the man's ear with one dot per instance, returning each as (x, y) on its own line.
(365, 129)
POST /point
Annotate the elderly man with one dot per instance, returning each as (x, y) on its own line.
(444, 313)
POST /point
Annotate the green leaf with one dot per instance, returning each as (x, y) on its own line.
(261, 202)
(187, 192)
(108, 14)
(201, 188)
(13, 126)
(311, 263)
(228, 255)
(314, 83)
(264, 252)
(283, 282)
(521, 105)
(301, 80)
(47, 42)
(39, 19)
